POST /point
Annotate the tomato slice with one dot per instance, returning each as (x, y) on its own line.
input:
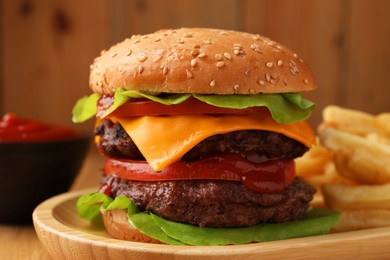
(189, 106)
(269, 177)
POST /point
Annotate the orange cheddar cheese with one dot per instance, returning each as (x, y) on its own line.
(163, 140)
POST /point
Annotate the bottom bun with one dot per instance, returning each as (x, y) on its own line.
(118, 226)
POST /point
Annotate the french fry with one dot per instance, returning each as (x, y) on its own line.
(372, 168)
(362, 219)
(348, 120)
(358, 158)
(344, 197)
(347, 143)
(360, 143)
(379, 137)
(313, 162)
(329, 175)
(363, 167)
(382, 122)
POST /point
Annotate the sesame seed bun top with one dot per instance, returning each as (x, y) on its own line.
(200, 60)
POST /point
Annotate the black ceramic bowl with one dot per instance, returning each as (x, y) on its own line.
(31, 172)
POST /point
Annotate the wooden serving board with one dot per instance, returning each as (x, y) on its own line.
(66, 236)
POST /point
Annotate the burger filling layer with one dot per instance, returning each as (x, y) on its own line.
(214, 203)
(254, 145)
(211, 202)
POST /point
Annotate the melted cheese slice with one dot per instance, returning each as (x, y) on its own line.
(164, 140)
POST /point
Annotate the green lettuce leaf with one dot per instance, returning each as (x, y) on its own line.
(85, 108)
(316, 222)
(146, 224)
(285, 108)
(89, 205)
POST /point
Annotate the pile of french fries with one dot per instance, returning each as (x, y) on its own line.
(350, 167)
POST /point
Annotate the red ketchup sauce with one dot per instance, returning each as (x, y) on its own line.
(15, 129)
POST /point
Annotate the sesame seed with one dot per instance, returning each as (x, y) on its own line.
(202, 55)
(285, 82)
(207, 41)
(212, 83)
(280, 63)
(220, 64)
(268, 77)
(300, 60)
(189, 74)
(218, 56)
(295, 55)
(269, 64)
(305, 81)
(129, 52)
(271, 77)
(236, 87)
(193, 62)
(261, 82)
(142, 58)
(227, 56)
(165, 70)
(140, 69)
(113, 55)
(136, 41)
(238, 49)
(223, 33)
(293, 68)
(180, 41)
(255, 47)
(187, 35)
(247, 71)
(251, 91)
(256, 37)
(144, 37)
(196, 46)
(195, 52)
(157, 39)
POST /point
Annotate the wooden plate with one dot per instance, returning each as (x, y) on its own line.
(66, 236)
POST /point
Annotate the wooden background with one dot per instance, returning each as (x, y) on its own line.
(47, 45)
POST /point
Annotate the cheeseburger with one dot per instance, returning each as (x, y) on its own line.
(200, 128)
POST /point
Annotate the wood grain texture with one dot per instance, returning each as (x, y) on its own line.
(48, 45)
(67, 236)
(366, 82)
(47, 49)
(21, 242)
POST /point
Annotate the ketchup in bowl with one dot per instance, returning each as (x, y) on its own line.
(37, 161)
(15, 129)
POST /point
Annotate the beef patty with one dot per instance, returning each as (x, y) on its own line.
(254, 145)
(212, 203)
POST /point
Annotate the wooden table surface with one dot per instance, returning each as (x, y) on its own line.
(21, 241)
